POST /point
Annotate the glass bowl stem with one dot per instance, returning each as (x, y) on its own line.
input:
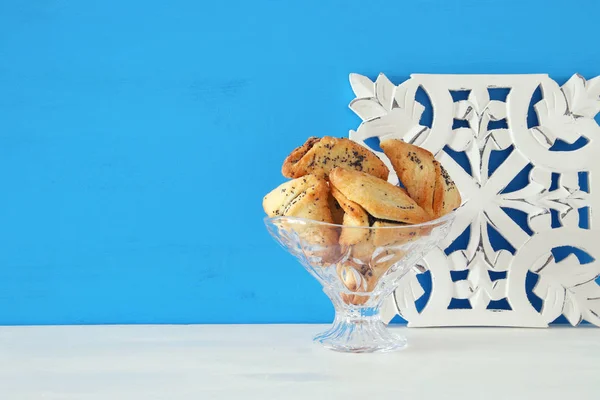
(358, 328)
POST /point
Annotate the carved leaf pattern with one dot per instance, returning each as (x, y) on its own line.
(567, 112)
(568, 287)
(386, 110)
(564, 113)
(385, 91)
(583, 98)
(410, 292)
(362, 86)
(537, 199)
(478, 286)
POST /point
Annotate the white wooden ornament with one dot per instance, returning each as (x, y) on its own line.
(565, 113)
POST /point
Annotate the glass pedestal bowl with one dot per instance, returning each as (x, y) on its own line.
(359, 274)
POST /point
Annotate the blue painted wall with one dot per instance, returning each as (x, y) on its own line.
(137, 138)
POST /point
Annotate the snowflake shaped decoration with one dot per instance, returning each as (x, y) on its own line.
(556, 201)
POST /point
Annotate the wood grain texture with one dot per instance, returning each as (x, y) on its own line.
(230, 362)
(114, 113)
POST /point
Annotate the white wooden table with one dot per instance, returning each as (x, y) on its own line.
(280, 362)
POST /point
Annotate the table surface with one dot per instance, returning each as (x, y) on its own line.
(204, 362)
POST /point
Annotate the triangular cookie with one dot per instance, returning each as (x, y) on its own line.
(415, 169)
(319, 156)
(378, 197)
(446, 196)
(305, 197)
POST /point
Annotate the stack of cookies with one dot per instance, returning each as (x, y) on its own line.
(338, 181)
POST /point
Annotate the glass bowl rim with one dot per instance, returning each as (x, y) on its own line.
(305, 221)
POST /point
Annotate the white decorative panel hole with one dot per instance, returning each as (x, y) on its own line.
(523, 152)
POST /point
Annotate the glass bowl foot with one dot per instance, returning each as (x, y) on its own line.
(365, 335)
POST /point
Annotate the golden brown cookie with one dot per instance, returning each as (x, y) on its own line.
(379, 198)
(356, 278)
(319, 156)
(363, 278)
(305, 197)
(446, 196)
(289, 199)
(390, 232)
(415, 169)
(354, 216)
(402, 235)
(337, 212)
(364, 249)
